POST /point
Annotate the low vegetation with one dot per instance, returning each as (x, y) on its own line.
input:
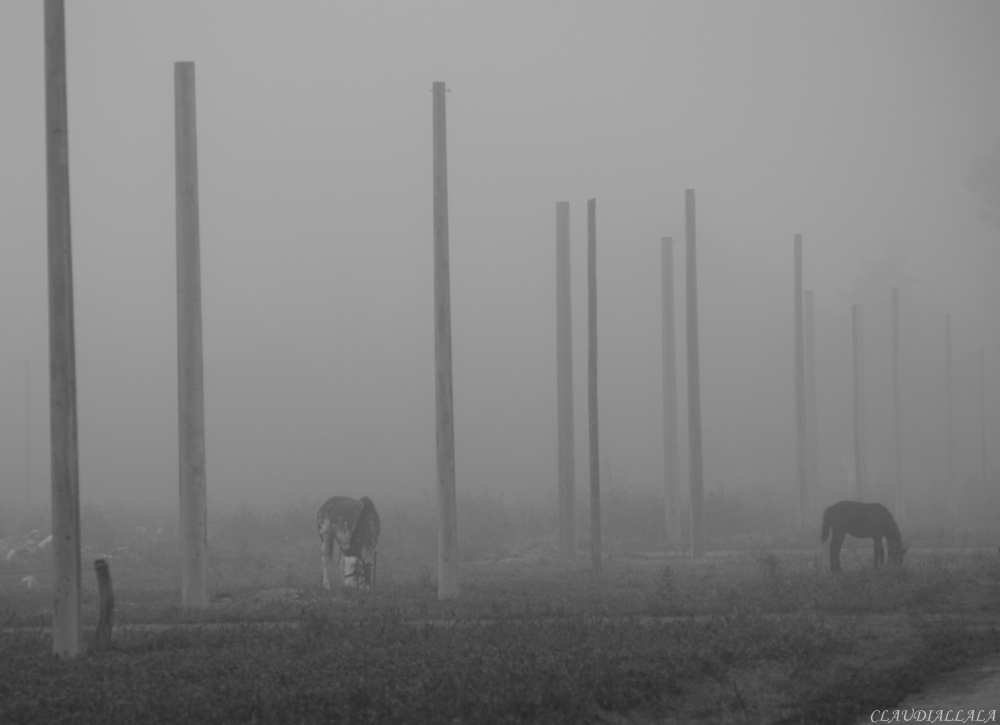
(756, 634)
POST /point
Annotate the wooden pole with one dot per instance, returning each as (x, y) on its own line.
(27, 437)
(564, 386)
(982, 412)
(191, 388)
(447, 509)
(800, 383)
(951, 410)
(897, 422)
(860, 473)
(812, 414)
(106, 613)
(67, 587)
(671, 462)
(863, 392)
(694, 384)
(595, 467)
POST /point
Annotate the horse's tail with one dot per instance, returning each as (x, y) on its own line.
(826, 524)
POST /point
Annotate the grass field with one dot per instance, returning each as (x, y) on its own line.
(757, 635)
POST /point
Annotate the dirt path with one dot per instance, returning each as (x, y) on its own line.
(974, 687)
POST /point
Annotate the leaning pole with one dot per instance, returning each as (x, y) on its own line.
(67, 589)
(800, 385)
(595, 463)
(190, 379)
(694, 385)
(564, 387)
(447, 513)
(671, 464)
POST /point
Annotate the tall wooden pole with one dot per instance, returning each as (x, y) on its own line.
(671, 464)
(694, 384)
(859, 462)
(190, 378)
(812, 414)
(800, 383)
(595, 463)
(863, 392)
(982, 412)
(951, 409)
(564, 387)
(67, 587)
(447, 508)
(27, 437)
(897, 422)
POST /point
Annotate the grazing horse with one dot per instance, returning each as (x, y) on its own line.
(863, 521)
(348, 533)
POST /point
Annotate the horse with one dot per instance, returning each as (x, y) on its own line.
(863, 521)
(348, 534)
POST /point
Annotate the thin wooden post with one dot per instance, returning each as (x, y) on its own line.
(800, 384)
(860, 472)
(694, 384)
(66, 638)
(595, 463)
(812, 413)
(897, 421)
(447, 508)
(982, 412)
(951, 409)
(863, 392)
(27, 437)
(671, 462)
(106, 613)
(190, 377)
(564, 386)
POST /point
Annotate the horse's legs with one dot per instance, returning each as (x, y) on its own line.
(879, 552)
(835, 543)
(368, 559)
(330, 553)
(324, 557)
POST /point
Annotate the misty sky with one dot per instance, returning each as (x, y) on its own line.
(855, 124)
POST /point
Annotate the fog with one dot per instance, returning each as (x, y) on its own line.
(857, 125)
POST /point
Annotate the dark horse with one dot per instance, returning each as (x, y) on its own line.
(863, 521)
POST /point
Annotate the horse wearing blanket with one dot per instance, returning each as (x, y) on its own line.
(348, 533)
(863, 521)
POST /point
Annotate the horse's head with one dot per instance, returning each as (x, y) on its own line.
(896, 554)
(357, 572)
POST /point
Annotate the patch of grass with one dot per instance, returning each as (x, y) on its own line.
(377, 668)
